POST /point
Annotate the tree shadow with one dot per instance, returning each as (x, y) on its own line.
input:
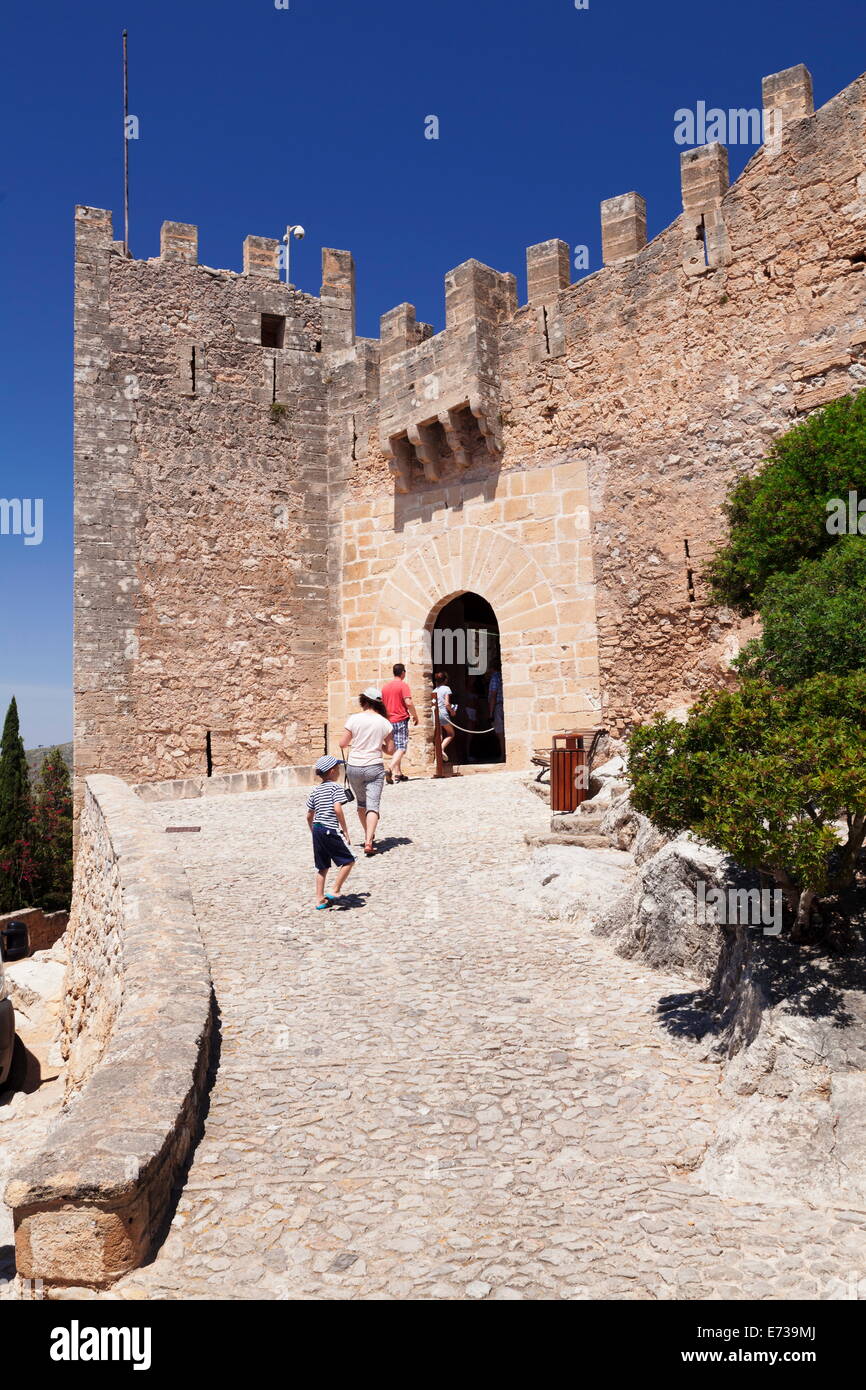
(808, 980)
(688, 1015)
(821, 978)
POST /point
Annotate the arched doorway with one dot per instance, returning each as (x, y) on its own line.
(465, 645)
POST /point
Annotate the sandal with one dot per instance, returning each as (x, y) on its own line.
(370, 851)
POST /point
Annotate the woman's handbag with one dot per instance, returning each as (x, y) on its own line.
(350, 795)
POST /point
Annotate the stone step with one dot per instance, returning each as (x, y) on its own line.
(575, 825)
(585, 841)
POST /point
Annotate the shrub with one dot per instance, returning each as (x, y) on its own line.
(764, 774)
(779, 517)
(813, 620)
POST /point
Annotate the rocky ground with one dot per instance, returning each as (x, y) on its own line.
(449, 1089)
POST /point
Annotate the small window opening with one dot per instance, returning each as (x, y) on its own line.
(690, 579)
(701, 236)
(208, 752)
(273, 330)
(274, 381)
(192, 370)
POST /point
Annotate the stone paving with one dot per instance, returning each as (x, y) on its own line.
(442, 1094)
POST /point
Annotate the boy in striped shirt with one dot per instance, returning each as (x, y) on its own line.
(326, 820)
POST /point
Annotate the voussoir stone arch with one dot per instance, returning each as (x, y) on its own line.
(467, 558)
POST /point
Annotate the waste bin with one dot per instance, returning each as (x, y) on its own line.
(14, 943)
(568, 764)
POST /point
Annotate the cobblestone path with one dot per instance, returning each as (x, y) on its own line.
(438, 1094)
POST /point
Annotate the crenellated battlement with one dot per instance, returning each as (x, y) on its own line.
(437, 397)
(480, 300)
(433, 389)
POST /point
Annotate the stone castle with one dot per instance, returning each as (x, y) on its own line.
(263, 499)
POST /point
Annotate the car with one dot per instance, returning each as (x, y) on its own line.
(7, 1030)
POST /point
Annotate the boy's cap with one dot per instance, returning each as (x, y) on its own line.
(325, 764)
(372, 693)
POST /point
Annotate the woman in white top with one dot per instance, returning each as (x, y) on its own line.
(368, 736)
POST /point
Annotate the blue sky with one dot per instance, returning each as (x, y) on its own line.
(252, 116)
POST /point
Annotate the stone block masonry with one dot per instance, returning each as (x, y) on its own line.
(567, 459)
(631, 400)
(201, 512)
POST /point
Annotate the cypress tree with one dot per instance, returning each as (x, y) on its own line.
(17, 869)
(52, 833)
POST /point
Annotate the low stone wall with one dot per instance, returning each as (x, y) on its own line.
(43, 928)
(90, 1203)
(227, 783)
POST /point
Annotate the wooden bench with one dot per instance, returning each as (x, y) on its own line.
(541, 759)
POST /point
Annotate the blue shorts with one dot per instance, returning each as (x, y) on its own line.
(401, 735)
(329, 848)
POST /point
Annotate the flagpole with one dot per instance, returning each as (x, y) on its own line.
(125, 151)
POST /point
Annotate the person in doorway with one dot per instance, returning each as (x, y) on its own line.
(475, 703)
(397, 699)
(442, 699)
(367, 737)
(496, 709)
(330, 837)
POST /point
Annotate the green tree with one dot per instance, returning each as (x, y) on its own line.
(775, 778)
(813, 619)
(52, 833)
(778, 518)
(17, 867)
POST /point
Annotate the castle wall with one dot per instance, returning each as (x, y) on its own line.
(566, 459)
(641, 392)
(201, 514)
(679, 376)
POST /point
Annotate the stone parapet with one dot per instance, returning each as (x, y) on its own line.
(270, 779)
(91, 1202)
